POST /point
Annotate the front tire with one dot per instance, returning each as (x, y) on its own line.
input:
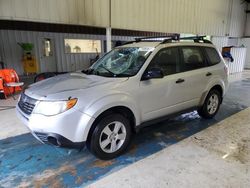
(211, 105)
(110, 137)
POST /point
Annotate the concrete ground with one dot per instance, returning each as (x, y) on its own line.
(186, 151)
(216, 157)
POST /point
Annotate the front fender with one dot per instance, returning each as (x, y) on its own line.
(113, 100)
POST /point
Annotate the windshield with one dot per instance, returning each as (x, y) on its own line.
(121, 62)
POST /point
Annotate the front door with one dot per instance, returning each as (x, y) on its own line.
(47, 55)
(162, 96)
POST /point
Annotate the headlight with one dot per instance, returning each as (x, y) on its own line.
(50, 108)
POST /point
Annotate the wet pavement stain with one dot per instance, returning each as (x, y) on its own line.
(30, 157)
(102, 164)
(241, 151)
(38, 165)
(132, 149)
(79, 180)
(51, 178)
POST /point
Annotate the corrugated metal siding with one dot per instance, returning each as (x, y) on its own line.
(219, 42)
(12, 52)
(239, 55)
(184, 16)
(233, 42)
(246, 43)
(247, 26)
(84, 12)
(238, 18)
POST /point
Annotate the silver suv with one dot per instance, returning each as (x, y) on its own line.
(128, 88)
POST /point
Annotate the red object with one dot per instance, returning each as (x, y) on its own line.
(8, 76)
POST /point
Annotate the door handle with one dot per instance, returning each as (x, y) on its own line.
(209, 74)
(179, 81)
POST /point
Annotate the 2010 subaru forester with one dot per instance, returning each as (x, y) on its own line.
(127, 88)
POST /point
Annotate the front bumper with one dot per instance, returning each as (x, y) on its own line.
(68, 129)
(57, 140)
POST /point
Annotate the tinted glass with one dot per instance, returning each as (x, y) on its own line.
(213, 56)
(192, 58)
(167, 60)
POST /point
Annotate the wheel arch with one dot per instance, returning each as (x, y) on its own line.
(120, 109)
(218, 86)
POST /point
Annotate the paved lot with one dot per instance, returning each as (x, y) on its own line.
(216, 157)
(24, 162)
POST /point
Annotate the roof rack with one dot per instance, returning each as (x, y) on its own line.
(169, 39)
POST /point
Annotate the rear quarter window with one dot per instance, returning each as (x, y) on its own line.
(213, 56)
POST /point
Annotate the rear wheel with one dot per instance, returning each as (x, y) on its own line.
(110, 137)
(211, 104)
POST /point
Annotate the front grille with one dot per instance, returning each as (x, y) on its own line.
(42, 136)
(26, 104)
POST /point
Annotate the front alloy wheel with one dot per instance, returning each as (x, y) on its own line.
(110, 137)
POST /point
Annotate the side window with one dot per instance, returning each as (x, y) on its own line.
(192, 58)
(212, 55)
(166, 59)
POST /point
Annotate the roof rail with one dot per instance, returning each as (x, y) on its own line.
(197, 39)
(154, 38)
(169, 39)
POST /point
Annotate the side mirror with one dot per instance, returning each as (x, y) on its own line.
(152, 73)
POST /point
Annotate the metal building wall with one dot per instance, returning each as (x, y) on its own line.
(237, 18)
(213, 17)
(247, 26)
(219, 42)
(84, 12)
(11, 52)
(239, 55)
(246, 42)
(184, 16)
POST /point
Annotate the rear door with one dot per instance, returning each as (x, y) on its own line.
(195, 73)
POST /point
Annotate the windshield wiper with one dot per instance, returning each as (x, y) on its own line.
(88, 71)
(113, 74)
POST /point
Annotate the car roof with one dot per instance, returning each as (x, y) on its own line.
(141, 44)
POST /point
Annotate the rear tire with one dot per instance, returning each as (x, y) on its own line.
(211, 104)
(110, 137)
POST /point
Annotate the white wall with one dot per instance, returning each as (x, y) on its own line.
(239, 55)
(213, 17)
(237, 17)
(246, 43)
(219, 42)
(83, 12)
(11, 52)
(247, 26)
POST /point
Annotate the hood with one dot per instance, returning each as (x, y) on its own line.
(68, 82)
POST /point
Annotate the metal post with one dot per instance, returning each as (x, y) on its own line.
(108, 38)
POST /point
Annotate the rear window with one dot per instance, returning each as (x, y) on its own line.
(192, 58)
(213, 56)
